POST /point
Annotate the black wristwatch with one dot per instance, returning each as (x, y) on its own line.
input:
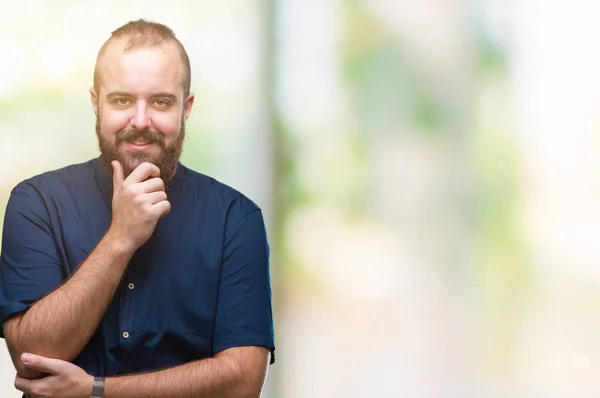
(98, 388)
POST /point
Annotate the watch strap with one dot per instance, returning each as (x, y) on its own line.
(98, 388)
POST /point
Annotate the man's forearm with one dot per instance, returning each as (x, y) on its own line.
(220, 377)
(60, 324)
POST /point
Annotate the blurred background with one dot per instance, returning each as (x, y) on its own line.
(429, 173)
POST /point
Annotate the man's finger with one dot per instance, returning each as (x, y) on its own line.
(28, 386)
(143, 171)
(162, 208)
(22, 384)
(117, 174)
(43, 364)
(155, 197)
(152, 185)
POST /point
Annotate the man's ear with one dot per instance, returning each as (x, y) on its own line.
(94, 99)
(187, 105)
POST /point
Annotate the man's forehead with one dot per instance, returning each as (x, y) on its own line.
(118, 48)
(146, 63)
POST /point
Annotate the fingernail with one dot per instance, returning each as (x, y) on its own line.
(26, 357)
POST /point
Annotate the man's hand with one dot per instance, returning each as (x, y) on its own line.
(138, 202)
(64, 379)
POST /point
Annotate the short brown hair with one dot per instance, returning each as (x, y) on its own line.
(144, 33)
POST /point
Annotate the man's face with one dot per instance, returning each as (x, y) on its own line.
(140, 109)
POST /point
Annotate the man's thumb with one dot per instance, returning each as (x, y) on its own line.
(117, 174)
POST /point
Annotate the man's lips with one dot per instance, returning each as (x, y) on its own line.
(139, 145)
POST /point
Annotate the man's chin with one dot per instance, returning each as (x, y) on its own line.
(130, 164)
(164, 158)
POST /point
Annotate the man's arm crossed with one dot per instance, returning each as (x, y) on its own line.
(238, 372)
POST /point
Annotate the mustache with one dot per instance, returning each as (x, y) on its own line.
(134, 134)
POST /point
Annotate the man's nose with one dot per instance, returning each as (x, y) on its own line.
(141, 119)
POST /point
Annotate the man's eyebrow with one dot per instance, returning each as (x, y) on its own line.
(170, 96)
(118, 94)
(122, 94)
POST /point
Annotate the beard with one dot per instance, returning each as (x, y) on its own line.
(166, 160)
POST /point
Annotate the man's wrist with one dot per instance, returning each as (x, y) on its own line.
(119, 243)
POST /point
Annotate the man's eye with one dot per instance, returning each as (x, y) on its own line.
(161, 103)
(122, 101)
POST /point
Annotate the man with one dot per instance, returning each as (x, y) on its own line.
(131, 275)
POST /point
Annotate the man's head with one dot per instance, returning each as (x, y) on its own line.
(141, 97)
